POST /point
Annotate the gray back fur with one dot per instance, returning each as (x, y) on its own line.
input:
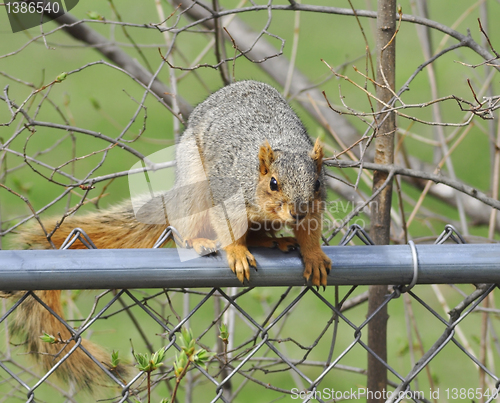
(230, 126)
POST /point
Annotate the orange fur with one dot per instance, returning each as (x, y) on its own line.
(33, 320)
(287, 189)
(317, 264)
(117, 227)
(274, 206)
(317, 154)
(113, 228)
(266, 158)
(240, 259)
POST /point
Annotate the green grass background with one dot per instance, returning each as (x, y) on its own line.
(336, 39)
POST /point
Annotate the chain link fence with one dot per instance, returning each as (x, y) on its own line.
(269, 344)
(112, 84)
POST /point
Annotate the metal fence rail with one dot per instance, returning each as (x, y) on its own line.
(298, 344)
(158, 268)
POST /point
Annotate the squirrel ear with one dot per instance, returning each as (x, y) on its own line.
(317, 154)
(266, 157)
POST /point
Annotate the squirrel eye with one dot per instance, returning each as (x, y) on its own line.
(317, 185)
(273, 184)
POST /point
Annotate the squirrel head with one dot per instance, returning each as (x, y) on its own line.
(291, 183)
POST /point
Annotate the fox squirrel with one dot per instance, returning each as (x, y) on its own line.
(249, 140)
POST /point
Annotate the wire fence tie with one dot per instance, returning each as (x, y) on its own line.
(414, 258)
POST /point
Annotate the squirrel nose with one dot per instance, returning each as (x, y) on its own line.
(299, 210)
(297, 217)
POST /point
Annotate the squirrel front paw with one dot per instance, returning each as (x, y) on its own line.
(202, 246)
(317, 265)
(240, 260)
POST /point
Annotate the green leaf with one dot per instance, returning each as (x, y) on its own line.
(201, 357)
(48, 338)
(61, 77)
(158, 357)
(181, 361)
(187, 341)
(224, 334)
(147, 364)
(115, 360)
(95, 16)
(142, 361)
(185, 337)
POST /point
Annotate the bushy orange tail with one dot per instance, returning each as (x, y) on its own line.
(33, 320)
(115, 227)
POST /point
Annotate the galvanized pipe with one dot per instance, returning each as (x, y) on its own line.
(160, 268)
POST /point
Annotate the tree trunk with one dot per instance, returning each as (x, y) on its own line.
(381, 206)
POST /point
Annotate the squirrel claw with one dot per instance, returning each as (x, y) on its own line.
(287, 244)
(240, 260)
(202, 246)
(207, 251)
(317, 266)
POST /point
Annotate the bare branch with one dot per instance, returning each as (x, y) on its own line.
(436, 178)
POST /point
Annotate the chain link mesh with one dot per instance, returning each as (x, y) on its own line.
(284, 344)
